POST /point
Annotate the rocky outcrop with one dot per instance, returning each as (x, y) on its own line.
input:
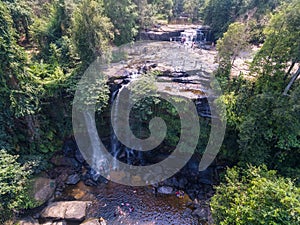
(159, 35)
(71, 210)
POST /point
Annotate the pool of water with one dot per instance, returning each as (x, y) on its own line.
(119, 204)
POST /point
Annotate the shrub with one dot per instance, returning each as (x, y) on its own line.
(13, 181)
(256, 196)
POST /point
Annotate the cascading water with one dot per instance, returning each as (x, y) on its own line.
(98, 161)
(115, 145)
(118, 150)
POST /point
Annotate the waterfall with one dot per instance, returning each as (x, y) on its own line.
(115, 146)
(98, 160)
(129, 155)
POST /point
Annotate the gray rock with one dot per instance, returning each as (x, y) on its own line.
(28, 221)
(187, 212)
(43, 189)
(55, 223)
(73, 179)
(206, 176)
(165, 190)
(72, 210)
(200, 213)
(100, 221)
(76, 211)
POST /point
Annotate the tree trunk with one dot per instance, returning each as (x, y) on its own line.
(294, 77)
(290, 69)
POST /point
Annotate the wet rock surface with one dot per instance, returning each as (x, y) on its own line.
(71, 210)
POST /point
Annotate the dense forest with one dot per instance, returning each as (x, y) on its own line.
(46, 45)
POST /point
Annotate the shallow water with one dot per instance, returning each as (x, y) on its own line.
(119, 204)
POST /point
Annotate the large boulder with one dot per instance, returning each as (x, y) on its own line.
(71, 210)
(43, 189)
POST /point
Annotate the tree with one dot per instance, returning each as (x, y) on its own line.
(256, 196)
(281, 50)
(123, 14)
(92, 30)
(233, 42)
(177, 8)
(192, 8)
(163, 8)
(217, 14)
(146, 14)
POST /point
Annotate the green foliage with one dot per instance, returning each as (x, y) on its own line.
(11, 60)
(21, 15)
(146, 14)
(164, 9)
(270, 131)
(264, 122)
(13, 180)
(52, 24)
(233, 42)
(123, 14)
(177, 8)
(193, 9)
(281, 50)
(256, 196)
(92, 30)
(217, 14)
